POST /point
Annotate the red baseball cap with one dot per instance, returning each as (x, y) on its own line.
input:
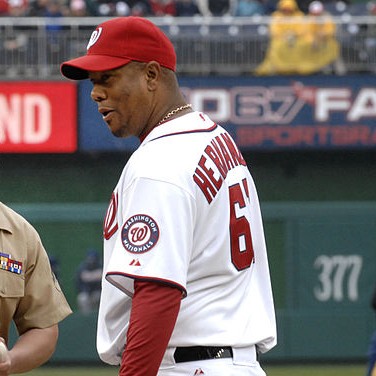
(119, 41)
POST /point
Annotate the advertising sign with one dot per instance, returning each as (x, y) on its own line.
(313, 112)
(38, 117)
(267, 113)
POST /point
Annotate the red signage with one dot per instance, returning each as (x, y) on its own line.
(38, 117)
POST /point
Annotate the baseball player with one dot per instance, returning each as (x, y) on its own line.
(186, 287)
(29, 295)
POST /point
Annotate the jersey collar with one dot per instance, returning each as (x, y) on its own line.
(193, 121)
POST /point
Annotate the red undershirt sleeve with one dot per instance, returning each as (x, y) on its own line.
(154, 312)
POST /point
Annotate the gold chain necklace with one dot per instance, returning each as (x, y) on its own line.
(173, 112)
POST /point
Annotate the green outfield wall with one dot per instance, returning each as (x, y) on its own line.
(322, 259)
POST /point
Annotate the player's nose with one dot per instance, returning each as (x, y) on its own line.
(97, 94)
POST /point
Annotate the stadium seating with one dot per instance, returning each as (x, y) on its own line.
(216, 45)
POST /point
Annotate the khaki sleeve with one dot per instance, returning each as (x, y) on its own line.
(44, 303)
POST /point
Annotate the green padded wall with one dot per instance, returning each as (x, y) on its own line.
(322, 259)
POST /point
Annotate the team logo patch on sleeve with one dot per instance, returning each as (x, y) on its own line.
(139, 234)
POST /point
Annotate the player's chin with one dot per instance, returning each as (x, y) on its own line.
(118, 128)
(113, 127)
(119, 132)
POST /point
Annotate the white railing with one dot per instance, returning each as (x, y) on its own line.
(32, 47)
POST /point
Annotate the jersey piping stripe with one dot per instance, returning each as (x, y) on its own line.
(212, 128)
(143, 279)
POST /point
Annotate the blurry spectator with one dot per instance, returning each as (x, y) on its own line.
(160, 8)
(248, 8)
(88, 282)
(324, 49)
(216, 7)
(17, 55)
(140, 9)
(104, 9)
(371, 7)
(14, 46)
(49, 8)
(122, 9)
(54, 10)
(111, 8)
(186, 8)
(3, 7)
(38, 8)
(18, 8)
(55, 44)
(77, 8)
(370, 32)
(286, 31)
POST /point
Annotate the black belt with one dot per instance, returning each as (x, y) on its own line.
(189, 354)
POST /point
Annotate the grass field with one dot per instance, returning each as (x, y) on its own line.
(272, 370)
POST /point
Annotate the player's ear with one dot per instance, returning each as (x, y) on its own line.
(152, 73)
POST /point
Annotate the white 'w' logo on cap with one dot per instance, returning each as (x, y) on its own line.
(94, 37)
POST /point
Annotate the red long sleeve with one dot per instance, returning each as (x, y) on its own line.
(154, 312)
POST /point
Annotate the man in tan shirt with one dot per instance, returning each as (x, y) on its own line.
(29, 295)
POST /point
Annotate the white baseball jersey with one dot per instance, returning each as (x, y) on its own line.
(185, 212)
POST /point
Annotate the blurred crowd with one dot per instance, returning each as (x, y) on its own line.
(143, 8)
(302, 34)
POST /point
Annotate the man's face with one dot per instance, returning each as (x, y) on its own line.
(122, 98)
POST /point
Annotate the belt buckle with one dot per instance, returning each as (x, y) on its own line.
(219, 354)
